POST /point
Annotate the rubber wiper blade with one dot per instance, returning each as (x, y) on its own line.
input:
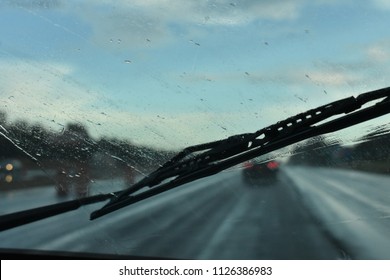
(199, 161)
(12, 220)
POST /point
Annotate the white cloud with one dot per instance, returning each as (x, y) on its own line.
(213, 12)
(152, 22)
(382, 4)
(124, 24)
(41, 90)
(328, 79)
(379, 53)
(323, 77)
(173, 131)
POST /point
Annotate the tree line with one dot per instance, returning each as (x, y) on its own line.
(37, 145)
(371, 153)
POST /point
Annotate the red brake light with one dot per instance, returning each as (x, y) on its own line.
(272, 165)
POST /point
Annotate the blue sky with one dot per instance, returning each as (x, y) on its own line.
(176, 73)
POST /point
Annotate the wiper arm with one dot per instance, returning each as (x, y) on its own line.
(199, 161)
(203, 160)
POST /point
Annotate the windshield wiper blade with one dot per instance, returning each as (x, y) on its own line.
(203, 160)
(11, 220)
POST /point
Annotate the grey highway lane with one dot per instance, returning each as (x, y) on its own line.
(307, 213)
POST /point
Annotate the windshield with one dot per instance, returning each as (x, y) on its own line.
(96, 95)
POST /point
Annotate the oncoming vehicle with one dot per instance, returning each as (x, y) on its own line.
(10, 171)
(136, 121)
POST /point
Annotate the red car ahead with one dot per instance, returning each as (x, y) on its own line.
(255, 170)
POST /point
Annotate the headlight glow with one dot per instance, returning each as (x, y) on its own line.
(9, 167)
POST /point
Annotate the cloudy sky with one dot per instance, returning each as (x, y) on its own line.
(172, 73)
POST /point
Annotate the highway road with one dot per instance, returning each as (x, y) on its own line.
(307, 213)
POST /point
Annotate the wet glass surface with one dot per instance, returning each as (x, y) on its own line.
(96, 95)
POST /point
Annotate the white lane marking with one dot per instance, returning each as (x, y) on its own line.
(225, 227)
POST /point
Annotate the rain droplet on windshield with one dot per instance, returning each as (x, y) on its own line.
(196, 43)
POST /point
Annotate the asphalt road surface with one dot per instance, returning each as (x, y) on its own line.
(306, 213)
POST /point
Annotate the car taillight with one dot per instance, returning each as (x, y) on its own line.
(272, 165)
